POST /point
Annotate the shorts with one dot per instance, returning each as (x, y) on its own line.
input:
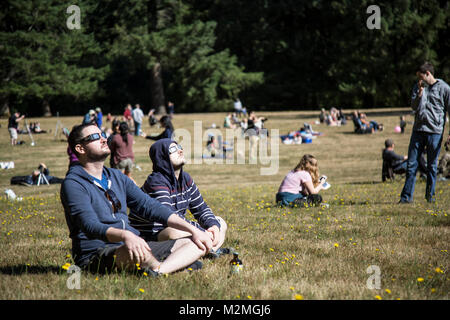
(13, 133)
(103, 261)
(125, 164)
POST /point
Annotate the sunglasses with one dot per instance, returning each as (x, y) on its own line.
(93, 137)
(173, 149)
(115, 202)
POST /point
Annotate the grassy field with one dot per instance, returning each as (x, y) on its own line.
(296, 253)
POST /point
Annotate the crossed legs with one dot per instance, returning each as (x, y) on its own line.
(183, 253)
(171, 233)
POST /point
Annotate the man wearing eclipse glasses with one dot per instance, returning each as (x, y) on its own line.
(176, 190)
(95, 201)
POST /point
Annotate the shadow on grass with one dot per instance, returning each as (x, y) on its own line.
(25, 269)
(363, 182)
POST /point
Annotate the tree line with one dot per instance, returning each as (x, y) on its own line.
(203, 54)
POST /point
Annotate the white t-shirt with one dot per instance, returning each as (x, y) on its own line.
(138, 115)
(238, 105)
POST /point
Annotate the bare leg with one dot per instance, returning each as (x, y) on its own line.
(172, 233)
(223, 231)
(184, 253)
(124, 261)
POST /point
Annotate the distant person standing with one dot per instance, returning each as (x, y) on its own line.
(402, 124)
(138, 115)
(127, 116)
(13, 124)
(170, 109)
(238, 108)
(99, 117)
(430, 99)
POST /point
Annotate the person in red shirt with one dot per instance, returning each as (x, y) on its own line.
(127, 116)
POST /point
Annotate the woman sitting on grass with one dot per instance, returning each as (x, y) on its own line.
(301, 186)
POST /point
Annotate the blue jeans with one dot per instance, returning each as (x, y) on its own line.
(137, 128)
(287, 198)
(419, 141)
(401, 168)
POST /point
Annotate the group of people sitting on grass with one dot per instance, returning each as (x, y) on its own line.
(334, 117)
(363, 125)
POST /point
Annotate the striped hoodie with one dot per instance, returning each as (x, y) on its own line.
(179, 194)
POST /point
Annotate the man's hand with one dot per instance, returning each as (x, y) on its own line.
(420, 90)
(137, 247)
(214, 230)
(202, 240)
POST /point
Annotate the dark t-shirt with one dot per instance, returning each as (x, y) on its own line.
(120, 150)
(393, 158)
(12, 122)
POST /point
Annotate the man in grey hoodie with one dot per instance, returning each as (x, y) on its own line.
(95, 201)
(430, 100)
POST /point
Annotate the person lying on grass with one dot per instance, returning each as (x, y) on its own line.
(175, 189)
(300, 187)
(95, 201)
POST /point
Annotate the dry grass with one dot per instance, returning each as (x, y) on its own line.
(314, 252)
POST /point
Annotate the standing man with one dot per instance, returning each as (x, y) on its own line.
(13, 124)
(138, 115)
(175, 189)
(95, 201)
(170, 109)
(430, 100)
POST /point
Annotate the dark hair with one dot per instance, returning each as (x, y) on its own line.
(166, 123)
(114, 124)
(388, 143)
(75, 136)
(124, 131)
(426, 66)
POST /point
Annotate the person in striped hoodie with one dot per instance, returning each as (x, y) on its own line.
(173, 187)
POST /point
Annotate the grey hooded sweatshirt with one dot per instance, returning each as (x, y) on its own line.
(430, 108)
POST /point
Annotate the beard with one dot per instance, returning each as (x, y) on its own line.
(98, 157)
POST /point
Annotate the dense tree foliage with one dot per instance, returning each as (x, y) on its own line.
(201, 54)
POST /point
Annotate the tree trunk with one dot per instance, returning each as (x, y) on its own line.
(46, 108)
(156, 83)
(4, 108)
(157, 89)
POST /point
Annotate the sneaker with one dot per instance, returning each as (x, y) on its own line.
(404, 201)
(431, 200)
(149, 272)
(216, 254)
(197, 265)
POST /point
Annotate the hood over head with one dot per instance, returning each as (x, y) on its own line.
(159, 154)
